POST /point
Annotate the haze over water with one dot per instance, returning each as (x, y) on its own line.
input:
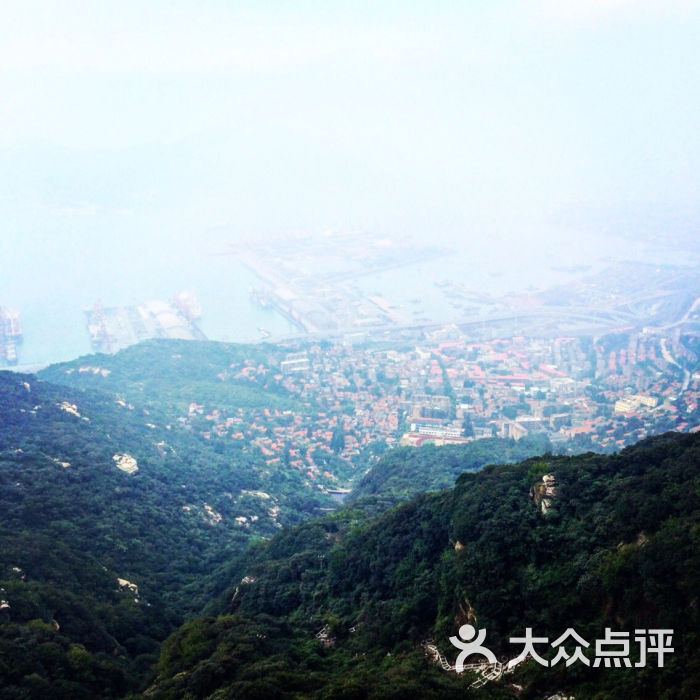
(138, 142)
(54, 326)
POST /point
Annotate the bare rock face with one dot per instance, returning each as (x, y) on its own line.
(544, 494)
(126, 463)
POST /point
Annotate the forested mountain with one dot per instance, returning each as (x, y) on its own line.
(94, 489)
(234, 396)
(407, 471)
(168, 377)
(338, 607)
(126, 510)
(165, 376)
(125, 513)
(94, 468)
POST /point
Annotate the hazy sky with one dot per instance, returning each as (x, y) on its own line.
(130, 126)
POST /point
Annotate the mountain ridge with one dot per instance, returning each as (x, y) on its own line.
(483, 553)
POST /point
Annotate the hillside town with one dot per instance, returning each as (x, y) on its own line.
(352, 402)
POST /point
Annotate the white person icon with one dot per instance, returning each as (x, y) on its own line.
(466, 633)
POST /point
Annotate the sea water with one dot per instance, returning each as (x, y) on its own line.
(52, 284)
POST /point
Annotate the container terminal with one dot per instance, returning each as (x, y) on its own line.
(114, 328)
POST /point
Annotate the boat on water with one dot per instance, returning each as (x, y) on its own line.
(259, 296)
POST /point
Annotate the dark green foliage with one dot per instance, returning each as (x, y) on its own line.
(160, 374)
(70, 624)
(617, 548)
(407, 471)
(152, 524)
(338, 440)
(71, 522)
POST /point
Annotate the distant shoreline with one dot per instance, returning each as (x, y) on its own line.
(26, 369)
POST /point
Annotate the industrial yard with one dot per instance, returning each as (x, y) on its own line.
(114, 328)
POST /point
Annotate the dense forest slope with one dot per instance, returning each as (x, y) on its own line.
(165, 376)
(123, 514)
(234, 396)
(152, 500)
(339, 607)
(406, 471)
(94, 489)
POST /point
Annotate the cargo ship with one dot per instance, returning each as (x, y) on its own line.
(10, 335)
